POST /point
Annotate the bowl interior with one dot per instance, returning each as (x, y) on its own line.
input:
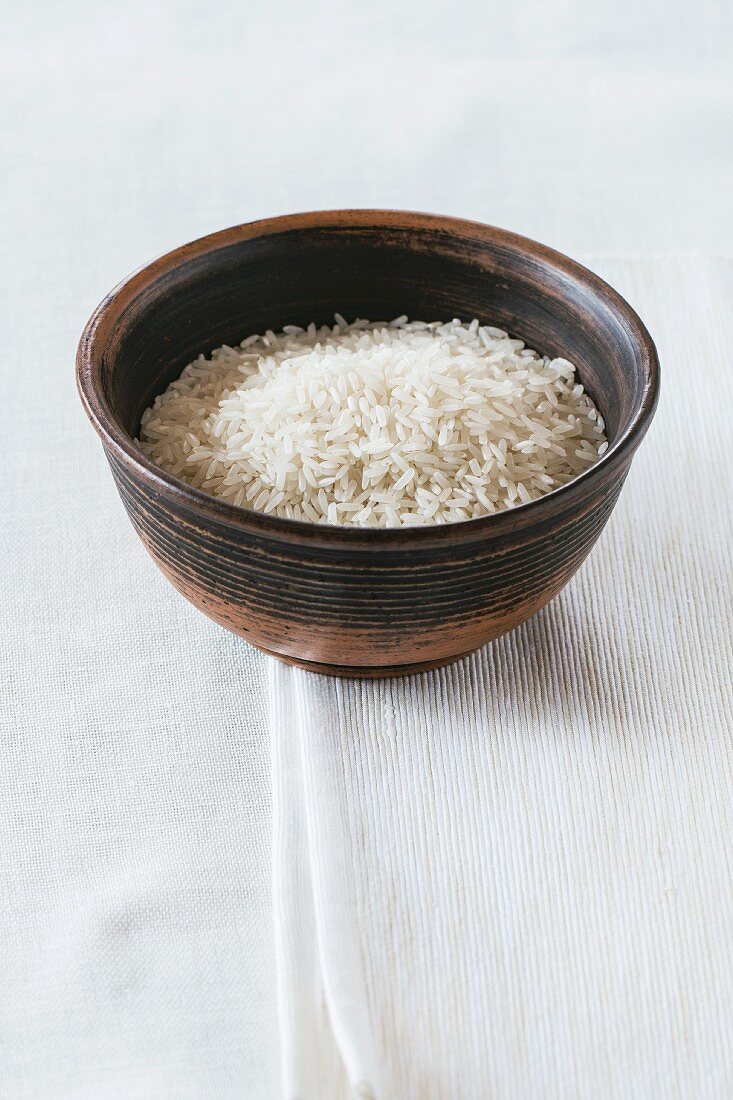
(237, 283)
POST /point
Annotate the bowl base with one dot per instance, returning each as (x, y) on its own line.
(366, 672)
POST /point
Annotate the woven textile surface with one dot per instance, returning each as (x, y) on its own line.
(223, 878)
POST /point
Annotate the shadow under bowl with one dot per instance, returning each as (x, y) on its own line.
(354, 601)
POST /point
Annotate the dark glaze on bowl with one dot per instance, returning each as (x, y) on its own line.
(350, 601)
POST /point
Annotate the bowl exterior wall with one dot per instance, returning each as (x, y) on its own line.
(368, 610)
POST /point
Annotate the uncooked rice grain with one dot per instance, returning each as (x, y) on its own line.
(393, 424)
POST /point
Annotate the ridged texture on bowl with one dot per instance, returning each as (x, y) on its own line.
(404, 607)
(363, 602)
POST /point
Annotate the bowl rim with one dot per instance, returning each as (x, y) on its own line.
(122, 446)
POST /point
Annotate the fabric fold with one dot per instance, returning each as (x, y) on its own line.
(326, 1041)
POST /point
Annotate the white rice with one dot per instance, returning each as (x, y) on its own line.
(375, 424)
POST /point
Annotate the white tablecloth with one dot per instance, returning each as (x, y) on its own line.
(521, 885)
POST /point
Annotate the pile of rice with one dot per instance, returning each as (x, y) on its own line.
(375, 424)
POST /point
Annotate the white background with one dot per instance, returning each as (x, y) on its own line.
(137, 953)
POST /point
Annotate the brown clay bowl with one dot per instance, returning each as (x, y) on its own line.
(351, 601)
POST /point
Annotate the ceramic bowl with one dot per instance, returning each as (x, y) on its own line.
(351, 601)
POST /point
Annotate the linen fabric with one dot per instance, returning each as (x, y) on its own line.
(510, 878)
